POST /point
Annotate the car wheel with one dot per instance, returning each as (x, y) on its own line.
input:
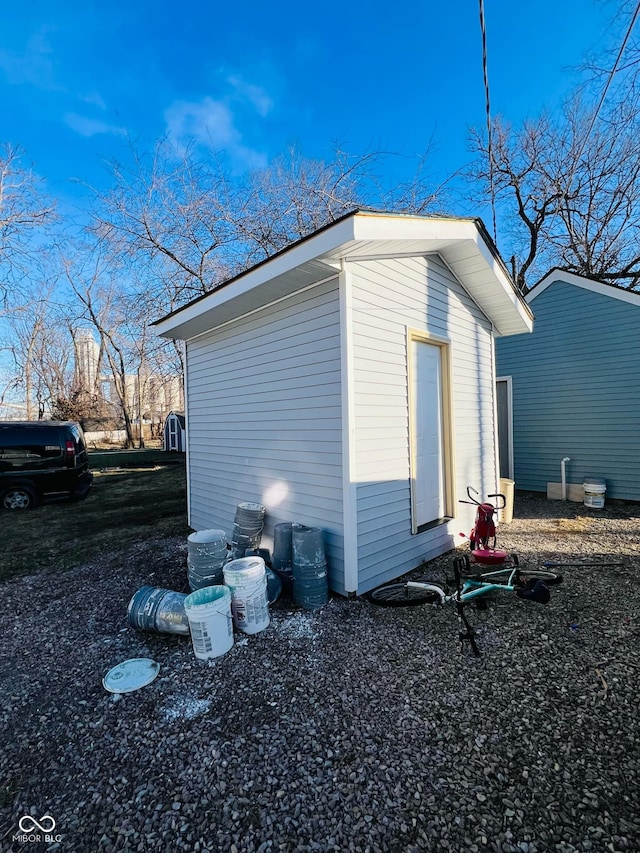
(18, 497)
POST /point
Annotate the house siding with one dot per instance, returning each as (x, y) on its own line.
(576, 391)
(390, 296)
(264, 415)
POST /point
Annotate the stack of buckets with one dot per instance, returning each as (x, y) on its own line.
(247, 528)
(207, 554)
(282, 561)
(310, 585)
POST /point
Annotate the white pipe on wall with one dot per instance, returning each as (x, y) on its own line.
(564, 477)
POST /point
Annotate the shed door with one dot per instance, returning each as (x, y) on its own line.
(429, 468)
(173, 434)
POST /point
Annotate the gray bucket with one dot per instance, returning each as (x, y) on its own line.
(310, 584)
(282, 553)
(156, 609)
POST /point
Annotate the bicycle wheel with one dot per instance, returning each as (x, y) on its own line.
(547, 577)
(401, 595)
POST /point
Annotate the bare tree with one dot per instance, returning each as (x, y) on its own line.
(40, 350)
(24, 209)
(180, 219)
(569, 191)
(98, 296)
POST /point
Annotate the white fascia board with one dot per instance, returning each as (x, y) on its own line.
(307, 250)
(378, 226)
(585, 283)
(452, 238)
(507, 286)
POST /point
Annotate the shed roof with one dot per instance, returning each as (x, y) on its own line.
(464, 244)
(586, 283)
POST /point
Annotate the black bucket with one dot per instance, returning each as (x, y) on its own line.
(156, 609)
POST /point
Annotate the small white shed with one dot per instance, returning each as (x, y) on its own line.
(349, 383)
(174, 433)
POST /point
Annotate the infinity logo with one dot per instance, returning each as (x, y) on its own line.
(45, 824)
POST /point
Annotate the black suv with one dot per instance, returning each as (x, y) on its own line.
(42, 459)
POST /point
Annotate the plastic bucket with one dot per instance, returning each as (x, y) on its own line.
(594, 491)
(207, 553)
(307, 544)
(282, 554)
(209, 613)
(156, 609)
(310, 594)
(507, 488)
(247, 580)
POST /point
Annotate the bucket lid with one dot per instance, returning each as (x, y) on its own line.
(595, 481)
(131, 675)
(244, 564)
(207, 536)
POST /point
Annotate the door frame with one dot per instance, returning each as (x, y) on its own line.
(417, 336)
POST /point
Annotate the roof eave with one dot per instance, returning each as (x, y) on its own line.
(462, 243)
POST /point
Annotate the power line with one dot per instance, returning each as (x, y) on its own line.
(488, 111)
(610, 77)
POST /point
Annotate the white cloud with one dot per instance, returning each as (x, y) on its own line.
(210, 123)
(95, 99)
(91, 127)
(256, 95)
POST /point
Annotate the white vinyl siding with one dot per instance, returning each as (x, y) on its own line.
(265, 418)
(391, 296)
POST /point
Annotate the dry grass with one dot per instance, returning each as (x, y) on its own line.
(136, 495)
(566, 525)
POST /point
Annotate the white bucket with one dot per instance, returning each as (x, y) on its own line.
(247, 580)
(209, 613)
(594, 490)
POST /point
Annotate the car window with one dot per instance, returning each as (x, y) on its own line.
(78, 438)
(21, 448)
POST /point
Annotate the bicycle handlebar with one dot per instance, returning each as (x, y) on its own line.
(472, 500)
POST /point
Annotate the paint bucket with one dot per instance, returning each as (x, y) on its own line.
(247, 580)
(307, 545)
(507, 489)
(156, 609)
(247, 528)
(207, 554)
(594, 490)
(282, 553)
(310, 584)
(209, 613)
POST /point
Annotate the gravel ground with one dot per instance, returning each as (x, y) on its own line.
(354, 728)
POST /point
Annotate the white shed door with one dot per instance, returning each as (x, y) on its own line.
(429, 480)
(173, 434)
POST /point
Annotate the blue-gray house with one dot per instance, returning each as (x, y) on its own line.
(572, 388)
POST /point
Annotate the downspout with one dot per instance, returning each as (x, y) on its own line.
(564, 476)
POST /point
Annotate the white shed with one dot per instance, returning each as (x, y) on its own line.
(174, 436)
(348, 383)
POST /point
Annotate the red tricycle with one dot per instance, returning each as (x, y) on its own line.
(482, 539)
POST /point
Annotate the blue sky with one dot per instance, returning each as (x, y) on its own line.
(78, 81)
